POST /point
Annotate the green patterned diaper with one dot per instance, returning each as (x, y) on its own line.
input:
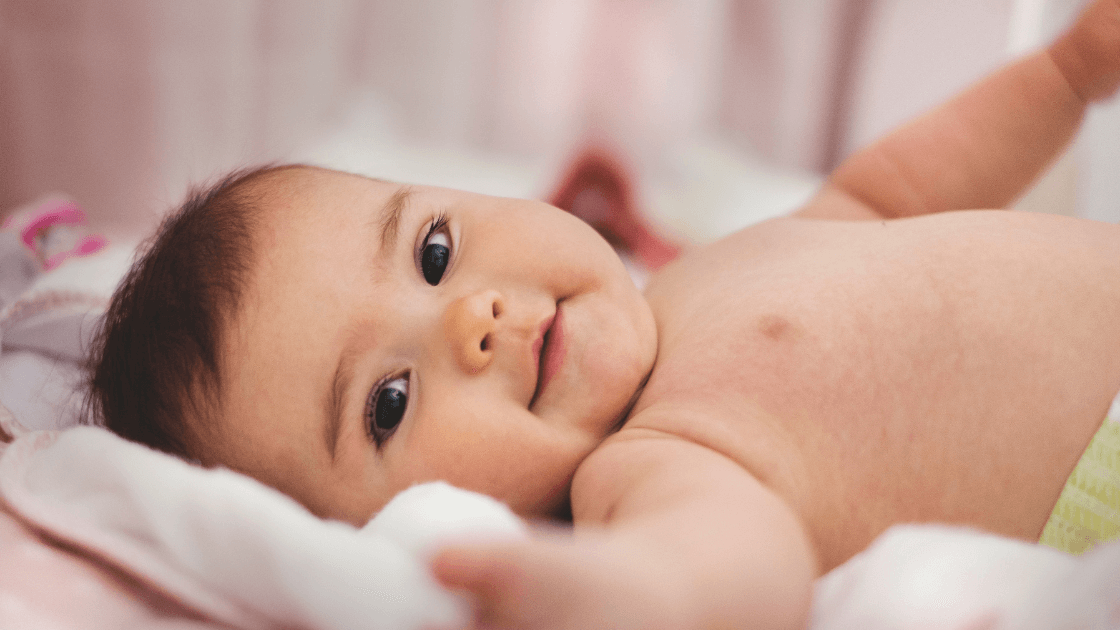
(1088, 510)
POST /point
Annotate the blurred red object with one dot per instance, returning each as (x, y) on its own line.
(598, 188)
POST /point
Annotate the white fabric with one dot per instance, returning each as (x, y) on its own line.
(235, 550)
(47, 321)
(242, 554)
(920, 577)
(41, 392)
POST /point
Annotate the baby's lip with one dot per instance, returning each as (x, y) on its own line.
(538, 352)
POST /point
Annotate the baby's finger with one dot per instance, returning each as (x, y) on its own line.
(517, 585)
(471, 567)
(490, 573)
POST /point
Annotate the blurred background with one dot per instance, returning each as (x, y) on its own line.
(726, 111)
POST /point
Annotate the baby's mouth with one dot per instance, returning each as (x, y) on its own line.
(545, 355)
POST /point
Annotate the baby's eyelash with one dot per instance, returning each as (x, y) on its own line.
(438, 223)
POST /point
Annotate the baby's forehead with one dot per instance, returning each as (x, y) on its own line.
(299, 182)
(322, 192)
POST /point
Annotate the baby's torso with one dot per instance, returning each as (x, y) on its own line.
(949, 368)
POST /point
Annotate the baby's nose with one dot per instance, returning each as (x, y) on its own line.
(469, 324)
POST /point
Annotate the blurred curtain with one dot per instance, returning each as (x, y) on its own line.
(121, 103)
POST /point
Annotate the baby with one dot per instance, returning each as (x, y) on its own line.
(770, 404)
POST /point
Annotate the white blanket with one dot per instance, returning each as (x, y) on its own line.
(926, 576)
(242, 554)
(234, 550)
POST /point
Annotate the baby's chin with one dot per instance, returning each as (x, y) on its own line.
(619, 381)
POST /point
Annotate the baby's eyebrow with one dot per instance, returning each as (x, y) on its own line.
(391, 216)
(340, 384)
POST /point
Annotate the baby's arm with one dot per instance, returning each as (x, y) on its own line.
(984, 147)
(680, 537)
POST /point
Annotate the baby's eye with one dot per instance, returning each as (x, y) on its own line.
(386, 407)
(436, 253)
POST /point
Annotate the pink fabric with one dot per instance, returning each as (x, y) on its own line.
(86, 245)
(53, 231)
(48, 586)
(52, 213)
(91, 547)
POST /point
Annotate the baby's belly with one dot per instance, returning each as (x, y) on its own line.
(871, 376)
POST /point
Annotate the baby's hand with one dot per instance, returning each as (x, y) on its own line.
(1088, 55)
(563, 583)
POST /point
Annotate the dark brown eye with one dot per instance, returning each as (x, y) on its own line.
(434, 258)
(386, 408)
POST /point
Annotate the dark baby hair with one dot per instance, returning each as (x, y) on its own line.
(154, 368)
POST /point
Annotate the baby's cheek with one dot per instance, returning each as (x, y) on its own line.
(462, 437)
(617, 370)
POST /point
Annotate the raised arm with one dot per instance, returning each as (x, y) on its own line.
(984, 147)
(669, 535)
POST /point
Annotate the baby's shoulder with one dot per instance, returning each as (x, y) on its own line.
(646, 464)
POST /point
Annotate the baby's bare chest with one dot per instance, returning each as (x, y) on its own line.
(873, 377)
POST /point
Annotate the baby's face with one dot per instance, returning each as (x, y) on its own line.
(391, 335)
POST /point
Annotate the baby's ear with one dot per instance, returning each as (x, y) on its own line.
(427, 516)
